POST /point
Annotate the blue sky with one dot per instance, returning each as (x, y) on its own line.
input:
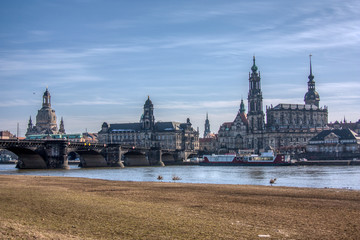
(101, 58)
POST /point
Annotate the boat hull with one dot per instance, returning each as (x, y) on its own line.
(242, 164)
(253, 160)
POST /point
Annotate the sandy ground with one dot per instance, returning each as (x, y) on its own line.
(33, 207)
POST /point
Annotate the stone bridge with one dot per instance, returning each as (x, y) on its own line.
(42, 154)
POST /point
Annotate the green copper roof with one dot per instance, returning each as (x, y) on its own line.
(254, 68)
(242, 106)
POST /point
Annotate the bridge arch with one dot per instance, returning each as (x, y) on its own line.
(135, 158)
(28, 158)
(89, 158)
(168, 158)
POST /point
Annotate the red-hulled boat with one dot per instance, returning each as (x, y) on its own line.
(264, 159)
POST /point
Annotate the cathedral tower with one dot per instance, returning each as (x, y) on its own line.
(148, 119)
(255, 105)
(311, 97)
(207, 126)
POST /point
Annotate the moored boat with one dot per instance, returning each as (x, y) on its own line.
(264, 159)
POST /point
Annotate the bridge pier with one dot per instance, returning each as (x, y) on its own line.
(65, 161)
(119, 162)
(155, 157)
(113, 155)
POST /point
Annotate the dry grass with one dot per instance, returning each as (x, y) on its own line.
(73, 208)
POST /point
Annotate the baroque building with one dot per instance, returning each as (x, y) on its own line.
(232, 136)
(147, 133)
(288, 126)
(46, 122)
(334, 144)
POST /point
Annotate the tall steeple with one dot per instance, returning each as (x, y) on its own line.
(62, 127)
(242, 106)
(311, 97)
(148, 119)
(207, 126)
(30, 127)
(255, 104)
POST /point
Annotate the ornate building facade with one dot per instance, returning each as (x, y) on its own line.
(287, 125)
(148, 133)
(334, 144)
(46, 122)
(233, 135)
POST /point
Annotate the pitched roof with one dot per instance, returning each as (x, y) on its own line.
(120, 127)
(294, 106)
(243, 118)
(344, 134)
(167, 126)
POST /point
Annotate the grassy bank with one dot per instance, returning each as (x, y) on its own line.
(74, 208)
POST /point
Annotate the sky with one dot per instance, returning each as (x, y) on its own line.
(101, 59)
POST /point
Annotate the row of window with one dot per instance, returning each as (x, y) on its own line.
(331, 148)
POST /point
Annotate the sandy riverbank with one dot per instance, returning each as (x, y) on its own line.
(75, 208)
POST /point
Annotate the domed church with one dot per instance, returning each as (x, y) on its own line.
(45, 119)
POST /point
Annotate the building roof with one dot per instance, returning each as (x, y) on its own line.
(167, 126)
(343, 134)
(351, 125)
(121, 127)
(226, 125)
(243, 117)
(283, 106)
(159, 126)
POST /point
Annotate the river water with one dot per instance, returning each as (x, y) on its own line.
(347, 177)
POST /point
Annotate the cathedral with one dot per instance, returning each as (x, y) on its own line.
(45, 119)
(288, 126)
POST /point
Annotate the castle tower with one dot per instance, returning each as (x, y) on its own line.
(148, 119)
(255, 104)
(311, 97)
(207, 126)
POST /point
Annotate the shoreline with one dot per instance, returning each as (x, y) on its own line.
(81, 208)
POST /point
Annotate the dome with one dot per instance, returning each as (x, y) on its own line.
(148, 102)
(312, 95)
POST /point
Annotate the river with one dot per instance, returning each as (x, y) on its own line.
(345, 177)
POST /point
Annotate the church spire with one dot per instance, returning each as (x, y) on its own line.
(311, 97)
(62, 126)
(311, 76)
(255, 105)
(148, 119)
(254, 68)
(207, 126)
(242, 106)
